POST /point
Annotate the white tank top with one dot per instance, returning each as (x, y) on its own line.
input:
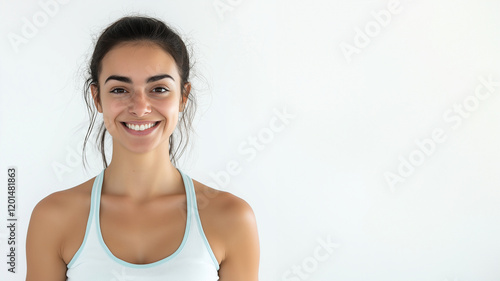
(194, 260)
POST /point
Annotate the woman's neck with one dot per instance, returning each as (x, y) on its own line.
(142, 176)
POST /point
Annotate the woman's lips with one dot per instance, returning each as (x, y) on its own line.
(140, 127)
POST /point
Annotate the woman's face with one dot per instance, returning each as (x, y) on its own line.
(140, 95)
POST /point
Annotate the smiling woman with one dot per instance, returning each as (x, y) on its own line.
(139, 218)
(134, 96)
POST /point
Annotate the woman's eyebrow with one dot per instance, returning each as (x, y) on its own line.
(128, 80)
(159, 77)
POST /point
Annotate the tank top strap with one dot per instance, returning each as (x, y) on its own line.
(96, 196)
(194, 216)
(190, 193)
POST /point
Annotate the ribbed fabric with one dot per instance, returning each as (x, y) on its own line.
(194, 260)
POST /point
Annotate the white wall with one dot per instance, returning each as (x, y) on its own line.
(411, 101)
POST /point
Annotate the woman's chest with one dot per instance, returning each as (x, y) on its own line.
(146, 234)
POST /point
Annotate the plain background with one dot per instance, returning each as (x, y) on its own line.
(309, 132)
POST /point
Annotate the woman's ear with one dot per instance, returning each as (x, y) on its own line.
(95, 96)
(184, 96)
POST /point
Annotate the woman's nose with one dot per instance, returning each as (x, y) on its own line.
(139, 105)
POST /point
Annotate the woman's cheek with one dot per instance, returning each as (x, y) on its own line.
(109, 124)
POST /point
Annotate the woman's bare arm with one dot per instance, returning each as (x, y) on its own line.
(241, 261)
(43, 241)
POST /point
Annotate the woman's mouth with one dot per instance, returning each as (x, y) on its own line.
(140, 129)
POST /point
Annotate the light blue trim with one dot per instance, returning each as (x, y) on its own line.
(200, 227)
(147, 265)
(89, 221)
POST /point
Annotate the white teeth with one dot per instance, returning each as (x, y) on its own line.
(139, 127)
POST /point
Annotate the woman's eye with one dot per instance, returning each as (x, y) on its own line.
(160, 90)
(118, 91)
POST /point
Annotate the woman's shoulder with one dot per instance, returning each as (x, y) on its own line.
(54, 219)
(67, 198)
(59, 207)
(223, 209)
(220, 201)
(230, 224)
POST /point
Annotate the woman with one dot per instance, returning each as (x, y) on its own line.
(141, 217)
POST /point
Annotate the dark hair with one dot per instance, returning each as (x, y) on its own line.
(133, 29)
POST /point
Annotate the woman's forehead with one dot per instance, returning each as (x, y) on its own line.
(140, 60)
